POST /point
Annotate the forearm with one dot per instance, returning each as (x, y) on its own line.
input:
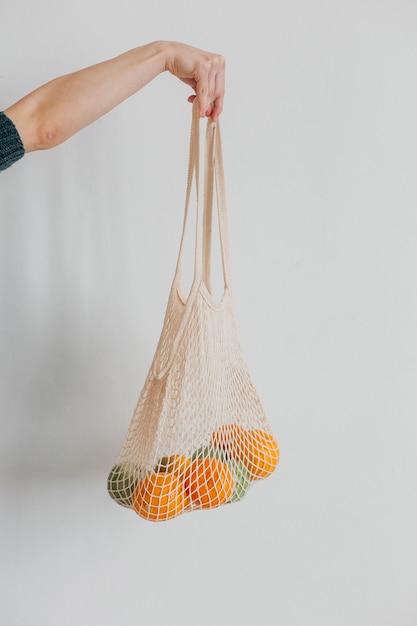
(57, 110)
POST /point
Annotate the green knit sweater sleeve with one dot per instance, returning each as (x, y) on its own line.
(11, 146)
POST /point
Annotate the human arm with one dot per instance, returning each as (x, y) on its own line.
(59, 109)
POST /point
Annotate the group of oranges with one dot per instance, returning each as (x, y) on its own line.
(215, 474)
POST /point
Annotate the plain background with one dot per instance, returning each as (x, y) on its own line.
(320, 148)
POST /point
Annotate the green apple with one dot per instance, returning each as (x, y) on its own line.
(209, 451)
(241, 477)
(122, 482)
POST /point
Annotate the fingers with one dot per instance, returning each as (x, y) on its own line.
(214, 111)
(203, 71)
(217, 108)
(210, 86)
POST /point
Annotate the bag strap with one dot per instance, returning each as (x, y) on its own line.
(214, 180)
(159, 368)
(192, 176)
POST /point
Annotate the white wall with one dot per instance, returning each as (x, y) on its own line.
(320, 135)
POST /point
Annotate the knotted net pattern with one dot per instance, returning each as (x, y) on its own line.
(199, 437)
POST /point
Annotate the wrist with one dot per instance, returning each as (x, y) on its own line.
(163, 52)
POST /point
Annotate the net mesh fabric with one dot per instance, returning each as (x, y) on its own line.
(199, 437)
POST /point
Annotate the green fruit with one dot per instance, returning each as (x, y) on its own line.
(122, 482)
(162, 465)
(176, 463)
(209, 451)
(241, 477)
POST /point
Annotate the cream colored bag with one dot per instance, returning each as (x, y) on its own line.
(199, 437)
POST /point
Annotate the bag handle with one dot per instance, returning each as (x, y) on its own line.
(193, 175)
(213, 178)
(160, 369)
(213, 181)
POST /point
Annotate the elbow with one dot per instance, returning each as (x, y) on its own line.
(39, 126)
(34, 132)
(46, 136)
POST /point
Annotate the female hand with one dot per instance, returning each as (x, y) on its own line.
(203, 71)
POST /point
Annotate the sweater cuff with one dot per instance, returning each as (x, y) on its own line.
(11, 145)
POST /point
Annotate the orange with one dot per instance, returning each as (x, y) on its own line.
(260, 453)
(160, 497)
(228, 438)
(208, 482)
(176, 463)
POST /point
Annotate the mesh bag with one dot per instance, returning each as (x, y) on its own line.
(199, 437)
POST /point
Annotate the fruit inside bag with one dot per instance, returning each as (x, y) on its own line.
(219, 473)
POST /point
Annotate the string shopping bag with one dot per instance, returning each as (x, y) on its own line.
(199, 437)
